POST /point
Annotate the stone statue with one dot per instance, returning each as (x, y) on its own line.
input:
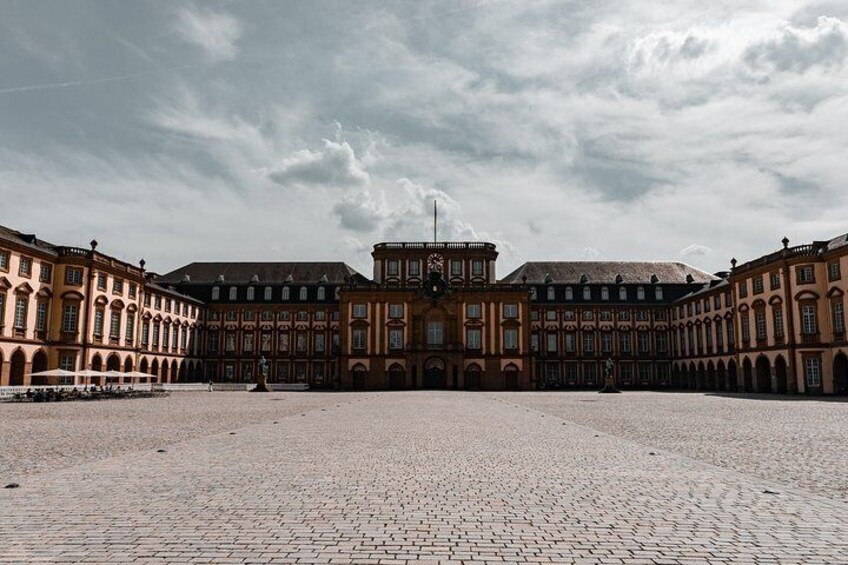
(609, 378)
(262, 377)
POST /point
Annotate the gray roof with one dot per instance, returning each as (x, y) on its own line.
(301, 272)
(837, 242)
(559, 272)
(26, 239)
(720, 284)
(169, 290)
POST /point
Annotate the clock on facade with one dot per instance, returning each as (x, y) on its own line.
(435, 263)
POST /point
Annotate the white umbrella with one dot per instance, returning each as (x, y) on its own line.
(138, 375)
(53, 373)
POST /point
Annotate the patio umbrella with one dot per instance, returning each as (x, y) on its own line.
(53, 373)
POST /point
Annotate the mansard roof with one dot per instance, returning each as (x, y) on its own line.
(156, 286)
(26, 240)
(837, 242)
(607, 272)
(302, 272)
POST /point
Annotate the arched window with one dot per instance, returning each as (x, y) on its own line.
(569, 293)
(587, 293)
(551, 293)
(533, 294)
(303, 293)
(658, 293)
(640, 293)
(250, 292)
(267, 293)
(604, 293)
(233, 293)
(320, 293)
(216, 292)
(622, 293)
(286, 293)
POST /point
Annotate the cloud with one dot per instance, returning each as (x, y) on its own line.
(333, 165)
(695, 250)
(215, 32)
(799, 49)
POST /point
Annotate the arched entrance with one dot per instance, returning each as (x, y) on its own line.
(840, 374)
(96, 363)
(711, 376)
(747, 378)
(396, 376)
(780, 375)
(732, 376)
(511, 377)
(693, 376)
(722, 376)
(154, 371)
(472, 376)
(763, 369)
(359, 373)
(702, 376)
(17, 369)
(113, 363)
(128, 365)
(435, 375)
(39, 363)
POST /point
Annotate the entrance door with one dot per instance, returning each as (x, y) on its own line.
(435, 375)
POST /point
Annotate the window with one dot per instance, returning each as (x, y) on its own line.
(534, 342)
(435, 333)
(805, 274)
(640, 293)
(156, 334)
(587, 315)
(473, 338)
(833, 272)
(302, 315)
(249, 315)
(46, 273)
(117, 286)
(730, 335)
(606, 342)
(569, 293)
(20, 312)
(534, 315)
(101, 281)
(604, 293)
(717, 302)
(510, 310)
(285, 315)
(760, 324)
(745, 322)
(212, 342)
(303, 293)
(658, 293)
(393, 268)
(321, 293)
(511, 339)
(587, 293)
(728, 299)
(456, 267)
(551, 293)
(414, 268)
(248, 342)
(551, 315)
(743, 289)
(265, 342)
(25, 268)
(73, 275)
(41, 316)
(624, 315)
(570, 342)
(286, 293)
(809, 325)
(266, 316)
(625, 344)
(588, 342)
(184, 338)
(251, 293)
(358, 339)
(838, 314)
(642, 315)
(812, 371)
(697, 308)
(70, 315)
(395, 311)
(283, 344)
(231, 315)
(662, 342)
(115, 325)
(718, 337)
(320, 315)
(396, 339)
(133, 290)
(99, 315)
(622, 293)
(472, 311)
(359, 311)
(644, 342)
(67, 362)
(233, 293)
(216, 293)
(230, 342)
(569, 315)
(145, 335)
(774, 280)
(477, 268)
(777, 317)
(759, 287)
(551, 343)
(320, 342)
(4, 261)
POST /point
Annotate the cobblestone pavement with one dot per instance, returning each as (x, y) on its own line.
(416, 476)
(795, 441)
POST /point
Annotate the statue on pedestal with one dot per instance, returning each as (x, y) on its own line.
(262, 377)
(609, 377)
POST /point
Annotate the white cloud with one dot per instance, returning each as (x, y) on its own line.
(215, 32)
(333, 165)
(799, 49)
(695, 250)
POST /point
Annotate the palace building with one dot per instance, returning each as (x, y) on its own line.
(430, 315)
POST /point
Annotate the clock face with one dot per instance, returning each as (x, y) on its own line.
(435, 263)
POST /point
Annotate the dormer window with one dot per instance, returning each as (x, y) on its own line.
(456, 268)
(251, 292)
(393, 268)
(569, 293)
(658, 293)
(533, 293)
(216, 292)
(286, 293)
(551, 293)
(414, 268)
(268, 293)
(622, 293)
(587, 293)
(604, 293)
(321, 292)
(477, 268)
(233, 293)
(640, 293)
(303, 293)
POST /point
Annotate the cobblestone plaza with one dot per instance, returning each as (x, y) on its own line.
(434, 476)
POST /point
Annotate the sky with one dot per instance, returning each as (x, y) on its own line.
(183, 131)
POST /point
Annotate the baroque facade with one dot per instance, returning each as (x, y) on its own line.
(431, 315)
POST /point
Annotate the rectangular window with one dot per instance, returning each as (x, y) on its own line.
(746, 327)
(777, 316)
(588, 343)
(812, 371)
(809, 325)
(4, 261)
(476, 268)
(300, 342)
(395, 311)
(662, 342)
(743, 289)
(393, 268)
(833, 271)
(145, 334)
(115, 325)
(435, 334)
(70, 315)
(414, 268)
(719, 337)
(805, 274)
(41, 316)
(473, 339)
(248, 342)
(156, 335)
(395, 339)
(551, 343)
(760, 324)
(46, 273)
(587, 315)
(472, 311)
(66, 362)
(118, 286)
(133, 289)
(644, 342)
(130, 329)
(606, 342)
(101, 281)
(510, 339)
(25, 268)
(510, 310)
(758, 285)
(838, 314)
(625, 343)
(73, 276)
(534, 342)
(359, 311)
(358, 339)
(99, 321)
(551, 315)
(456, 268)
(570, 342)
(717, 301)
(320, 343)
(774, 280)
(283, 342)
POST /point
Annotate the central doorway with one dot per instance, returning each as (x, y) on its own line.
(435, 375)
